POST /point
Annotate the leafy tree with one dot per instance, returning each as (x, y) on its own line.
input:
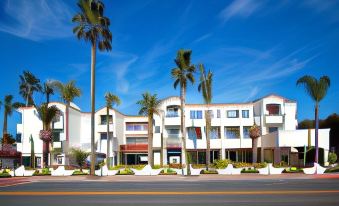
(111, 100)
(317, 90)
(205, 87)
(9, 106)
(27, 86)
(79, 156)
(92, 26)
(182, 74)
(149, 105)
(332, 158)
(7, 139)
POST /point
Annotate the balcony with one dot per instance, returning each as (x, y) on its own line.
(171, 114)
(173, 143)
(134, 148)
(274, 119)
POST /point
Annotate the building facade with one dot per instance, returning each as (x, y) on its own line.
(229, 136)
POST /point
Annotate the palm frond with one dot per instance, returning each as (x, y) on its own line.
(111, 100)
(316, 89)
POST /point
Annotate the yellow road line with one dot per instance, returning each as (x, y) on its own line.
(81, 193)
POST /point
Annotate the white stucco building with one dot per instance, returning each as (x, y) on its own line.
(230, 139)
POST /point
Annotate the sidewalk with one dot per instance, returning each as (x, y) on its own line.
(163, 178)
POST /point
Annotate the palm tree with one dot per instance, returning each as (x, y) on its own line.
(28, 85)
(8, 111)
(79, 156)
(254, 133)
(68, 92)
(205, 87)
(93, 26)
(149, 105)
(182, 74)
(317, 90)
(48, 89)
(46, 114)
(111, 100)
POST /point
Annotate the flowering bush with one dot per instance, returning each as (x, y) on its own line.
(221, 164)
(45, 135)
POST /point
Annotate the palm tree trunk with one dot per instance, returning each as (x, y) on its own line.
(47, 98)
(183, 128)
(162, 141)
(108, 137)
(316, 132)
(4, 129)
(67, 133)
(208, 143)
(254, 150)
(150, 141)
(93, 106)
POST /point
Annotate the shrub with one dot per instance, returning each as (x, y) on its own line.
(241, 164)
(333, 169)
(126, 171)
(260, 165)
(176, 166)
(221, 164)
(5, 175)
(209, 172)
(156, 167)
(44, 172)
(332, 157)
(79, 156)
(249, 171)
(79, 173)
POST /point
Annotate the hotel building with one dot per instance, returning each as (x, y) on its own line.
(229, 138)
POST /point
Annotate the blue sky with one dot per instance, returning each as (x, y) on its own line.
(254, 48)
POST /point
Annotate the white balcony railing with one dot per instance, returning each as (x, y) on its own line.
(274, 119)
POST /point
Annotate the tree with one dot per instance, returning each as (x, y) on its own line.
(9, 106)
(48, 89)
(317, 90)
(149, 105)
(28, 85)
(68, 92)
(110, 101)
(31, 140)
(7, 139)
(93, 27)
(182, 74)
(205, 87)
(46, 114)
(254, 134)
(79, 156)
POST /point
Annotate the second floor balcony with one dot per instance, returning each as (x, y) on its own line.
(274, 119)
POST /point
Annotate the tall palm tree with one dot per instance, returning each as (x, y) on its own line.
(254, 133)
(68, 92)
(111, 100)
(182, 74)
(46, 114)
(317, 90)
(205, 87)
(93, 26)
(9, 106)
(28, 85)
(149, 105)
(48, 89)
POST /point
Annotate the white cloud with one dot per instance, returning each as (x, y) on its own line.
(37, 20)
(240, 8)
(203, 37)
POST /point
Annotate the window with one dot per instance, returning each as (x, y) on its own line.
(136, 140)
(218, 113)
(272, 129)
(245, 114)
(59, 160)
(246, 132)
(104, 121)
(211, 113)
(215, 133)
(136, 126)
(194, 132)
(173, 131)
(18, 138)
(103, 135)
(233, 114)
(232, 132)
(157, 129)
(172, 111)
(56, 136)
(273, 109)
(196, 114)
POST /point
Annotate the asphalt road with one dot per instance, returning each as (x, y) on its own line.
(231, 192)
